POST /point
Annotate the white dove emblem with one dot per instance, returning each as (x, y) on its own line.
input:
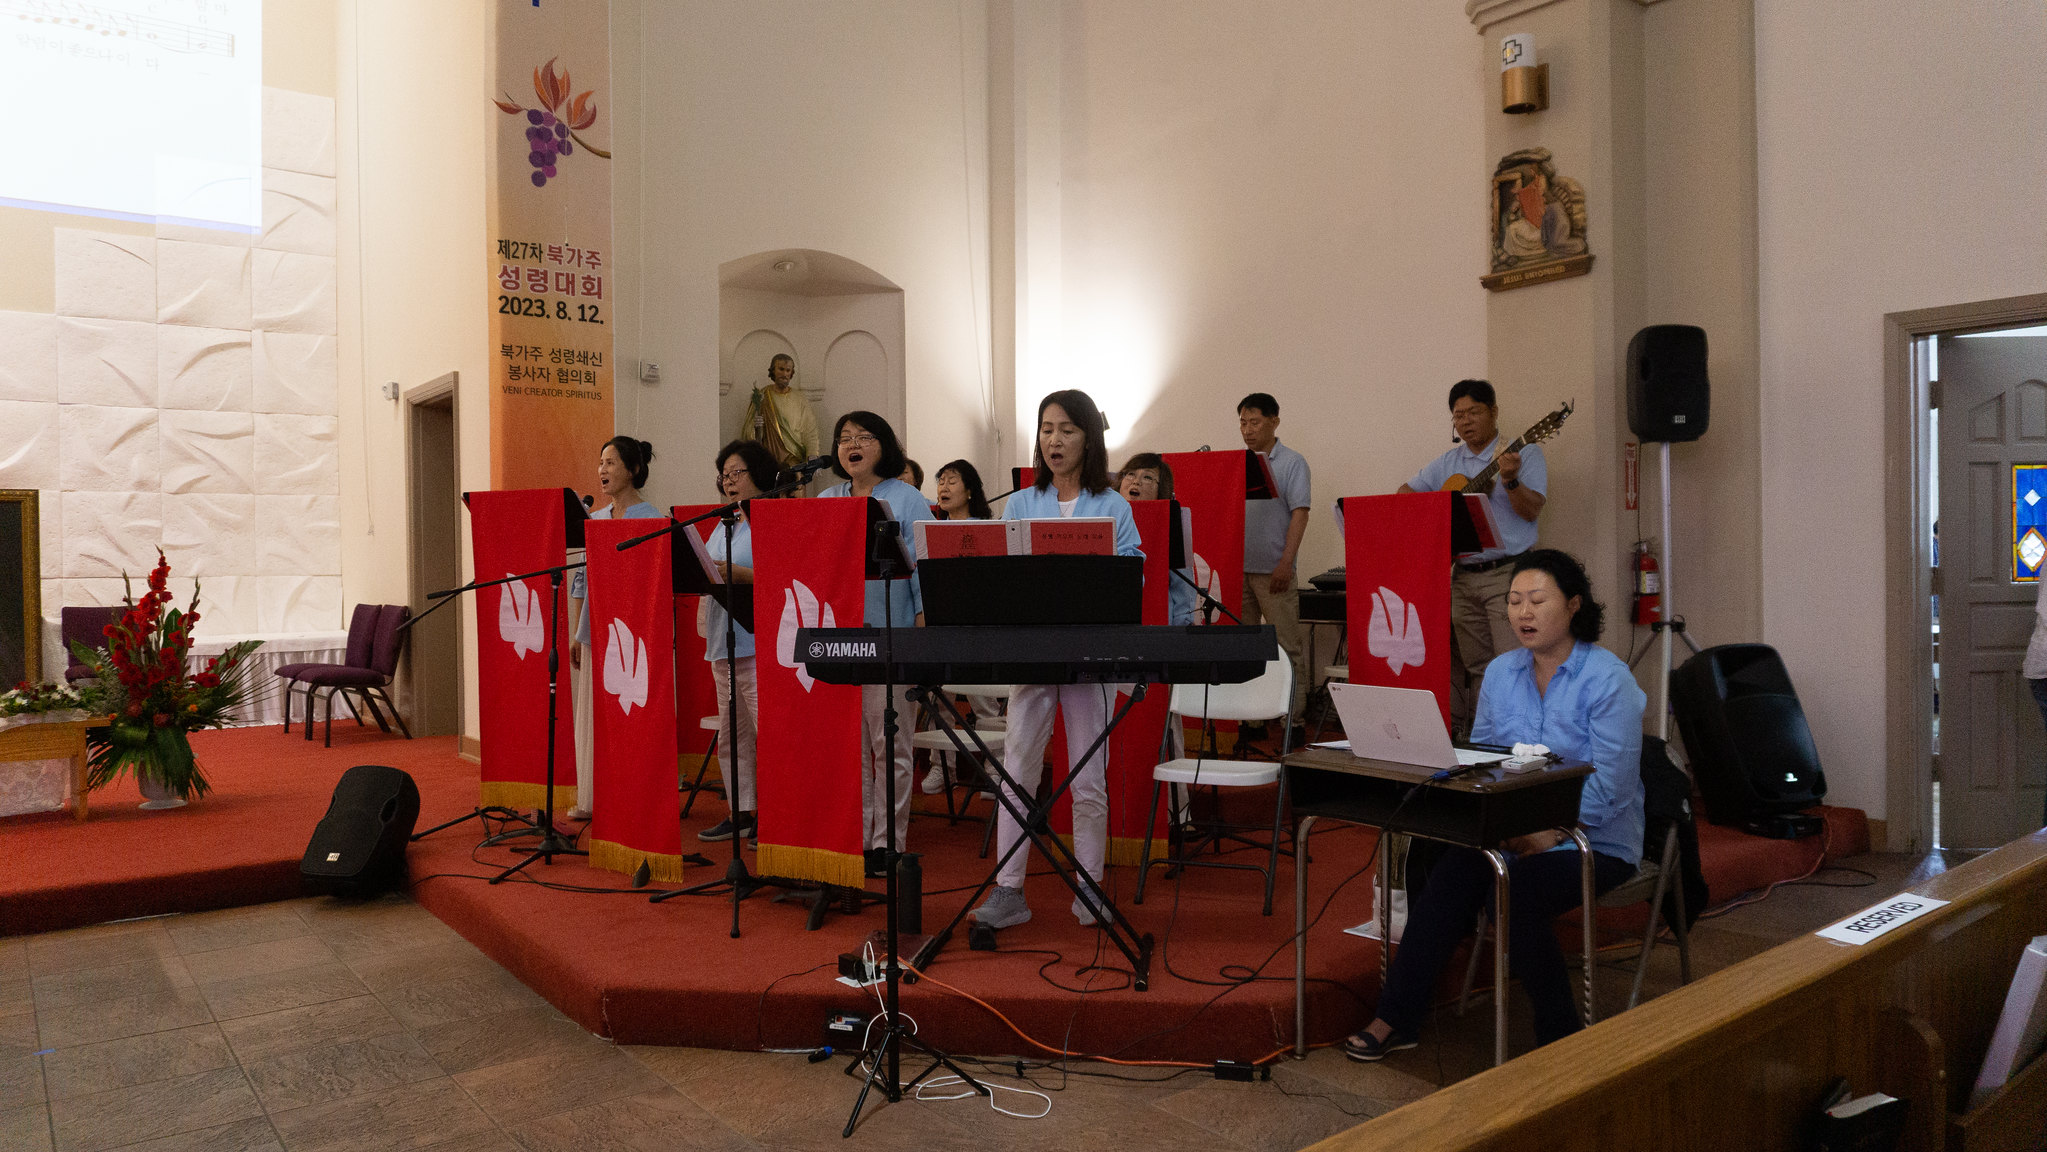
(519, 618)
(625, 667)
(1207, 579)
(1396, 636)
(800, 609)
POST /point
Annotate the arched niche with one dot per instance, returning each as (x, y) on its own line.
(841, 320)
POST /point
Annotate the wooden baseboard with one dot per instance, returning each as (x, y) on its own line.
(470, 749)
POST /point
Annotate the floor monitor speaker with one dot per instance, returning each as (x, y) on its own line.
(358, 849)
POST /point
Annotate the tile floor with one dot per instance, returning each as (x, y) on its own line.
(316, 1025)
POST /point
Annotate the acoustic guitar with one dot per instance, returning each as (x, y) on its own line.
(1482, 483)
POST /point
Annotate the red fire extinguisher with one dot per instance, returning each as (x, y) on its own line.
(1648, 585)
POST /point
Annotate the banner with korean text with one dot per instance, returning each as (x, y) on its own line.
(809, 572)
(548, 176)
(513, 533)
(1396, 555)
(632, 621)
(1211, 484)
(1135, 745)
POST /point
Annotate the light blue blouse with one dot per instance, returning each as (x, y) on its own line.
(714, 618)
(906, 506)
(1592, 712)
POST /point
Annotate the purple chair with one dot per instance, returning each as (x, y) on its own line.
(87, 626)
(362, 628)
(362, 682)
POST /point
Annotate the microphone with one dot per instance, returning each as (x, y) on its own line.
(810, 466)
(588, 502)
(1203, 448)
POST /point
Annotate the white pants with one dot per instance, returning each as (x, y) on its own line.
(586, 734)
(1031, 711)
(740, 790)
(873, 751)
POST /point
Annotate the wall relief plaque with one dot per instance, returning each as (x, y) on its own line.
(1538, 223)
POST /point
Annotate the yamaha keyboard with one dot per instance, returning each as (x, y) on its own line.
(1040, 654)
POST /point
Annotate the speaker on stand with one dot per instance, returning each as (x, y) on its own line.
(1668, 402)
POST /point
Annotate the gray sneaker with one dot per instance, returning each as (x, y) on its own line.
(1003, 908)
(1082, 913)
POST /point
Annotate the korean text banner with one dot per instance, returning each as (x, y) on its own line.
(1396, 553)
(513, 533)
(548, 257)
(1211, 484)
(632, 644)
(809, 572)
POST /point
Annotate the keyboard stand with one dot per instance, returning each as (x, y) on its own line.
(1136, 948)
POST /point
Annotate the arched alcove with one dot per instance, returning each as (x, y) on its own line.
(841, 320)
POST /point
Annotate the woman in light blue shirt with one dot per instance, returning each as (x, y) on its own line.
(868, 455)
(745, 470)
(1072, 473)
(1562, 690)
(621, 473)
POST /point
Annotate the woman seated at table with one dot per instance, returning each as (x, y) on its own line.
(1562, 690)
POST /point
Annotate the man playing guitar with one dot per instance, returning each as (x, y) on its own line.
(1513, 483)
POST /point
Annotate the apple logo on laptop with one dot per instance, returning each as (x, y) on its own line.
(1392, 730)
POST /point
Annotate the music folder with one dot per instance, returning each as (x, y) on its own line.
(1472, 529)
(694, 571)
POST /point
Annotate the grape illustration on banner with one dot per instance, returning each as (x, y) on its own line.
(552, 129)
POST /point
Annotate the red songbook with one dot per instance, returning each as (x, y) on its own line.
(947, 539)
(1078, 536)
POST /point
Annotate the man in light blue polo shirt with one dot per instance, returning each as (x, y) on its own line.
(1478, 587)
(1272, 538)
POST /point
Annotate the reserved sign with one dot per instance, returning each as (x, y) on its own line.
(1871, 923)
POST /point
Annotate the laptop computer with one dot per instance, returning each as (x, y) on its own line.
(1403, 725)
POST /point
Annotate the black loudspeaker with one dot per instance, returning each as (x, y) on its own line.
(1751, 750)
(359, 847)
(1667, 393)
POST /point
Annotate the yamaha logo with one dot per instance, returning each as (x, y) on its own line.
(816, 649)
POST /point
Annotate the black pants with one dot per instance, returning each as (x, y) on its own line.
(1540, 888)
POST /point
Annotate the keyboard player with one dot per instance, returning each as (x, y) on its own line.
(1072, 469)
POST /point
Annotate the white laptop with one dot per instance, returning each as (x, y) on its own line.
(1403, 725)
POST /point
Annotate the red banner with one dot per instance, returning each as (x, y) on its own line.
(695, 695)
(1396, 554)
(511, 533)
(632, 699)
(1134, 748)
(1211, 485)
(808, 572)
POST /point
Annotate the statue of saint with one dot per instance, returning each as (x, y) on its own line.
(780, 417)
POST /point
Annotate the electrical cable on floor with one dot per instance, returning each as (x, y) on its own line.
(1826, 842)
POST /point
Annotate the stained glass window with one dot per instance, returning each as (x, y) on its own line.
(2028, 521)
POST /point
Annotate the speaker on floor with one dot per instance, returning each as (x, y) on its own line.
(358, 849)
(1667, 393)
(1744, 730)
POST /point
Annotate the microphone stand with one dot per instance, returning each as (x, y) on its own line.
(484, 811)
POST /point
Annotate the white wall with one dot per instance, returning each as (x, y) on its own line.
(1900, 166)
(1277, 198)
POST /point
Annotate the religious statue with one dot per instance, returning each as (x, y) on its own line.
(1538, 223)
(780, 417)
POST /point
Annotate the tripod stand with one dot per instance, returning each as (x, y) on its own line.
(1667, 625)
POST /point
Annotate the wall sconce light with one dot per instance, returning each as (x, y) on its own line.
(1524, 84)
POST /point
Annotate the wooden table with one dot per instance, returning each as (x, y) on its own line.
(55, 740)
(1478, 809)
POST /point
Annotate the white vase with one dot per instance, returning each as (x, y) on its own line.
(155, 796)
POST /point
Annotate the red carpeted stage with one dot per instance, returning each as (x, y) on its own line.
(671, 974)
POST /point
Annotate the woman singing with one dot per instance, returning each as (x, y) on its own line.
(1563, 690)
(959, 493)
(1147, 476)
(1072, 471)
(869, 457)
(621, 473)
(745, 470)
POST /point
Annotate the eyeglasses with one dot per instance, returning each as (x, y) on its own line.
(735, 474)
(859, 440)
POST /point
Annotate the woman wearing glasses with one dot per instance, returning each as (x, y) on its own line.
(869, 457)
(621, 473)
(745, 470)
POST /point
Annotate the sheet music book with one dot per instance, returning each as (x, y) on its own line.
(1481, 511)
(703, 551)
(1074, 536)
(948, 539)
(2022, 1028)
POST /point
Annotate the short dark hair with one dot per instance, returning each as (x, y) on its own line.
(1590, 618)
(916, 472)
(1478, 390)
(634, 454)
(760, 463)
(977, 496)
(778, 357)
(892, 460)
(1094, 456)
(1260, 402)
(1156, 463)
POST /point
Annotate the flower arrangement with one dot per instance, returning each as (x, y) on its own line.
(154, 702)
(27, 699)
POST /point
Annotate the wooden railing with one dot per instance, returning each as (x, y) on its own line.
(1739, 1060)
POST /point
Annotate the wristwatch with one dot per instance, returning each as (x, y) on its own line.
(1510, 484)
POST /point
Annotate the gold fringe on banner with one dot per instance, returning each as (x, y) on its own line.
(794, 863)
(619, 858)
(512, 794)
